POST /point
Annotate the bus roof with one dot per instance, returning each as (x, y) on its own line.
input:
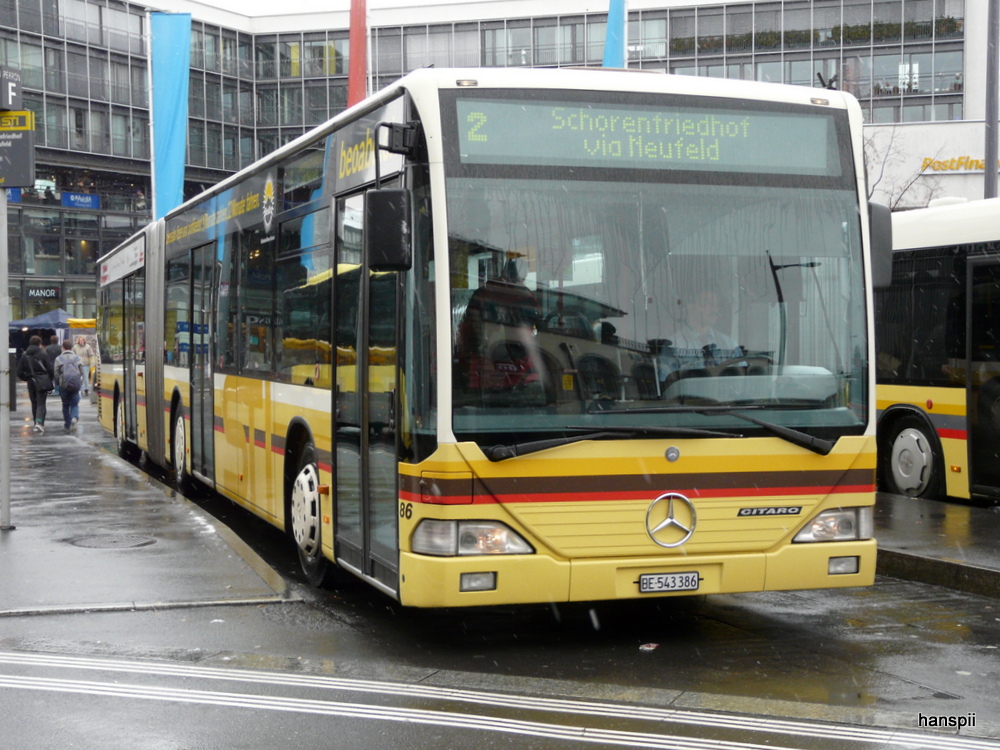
(940, 226)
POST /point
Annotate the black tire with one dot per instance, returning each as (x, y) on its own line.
(125, 449)
(910, 459)
(178, 452)
(305, 518)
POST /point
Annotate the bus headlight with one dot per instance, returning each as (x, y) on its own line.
(840, 525)
(451, 538)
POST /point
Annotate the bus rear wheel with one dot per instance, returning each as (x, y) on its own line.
(178, 445)
(911, 460)
(125, 449)
(306, 518)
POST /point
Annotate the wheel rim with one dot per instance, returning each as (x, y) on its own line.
(180, 448)
(305, 510)
(912, 462)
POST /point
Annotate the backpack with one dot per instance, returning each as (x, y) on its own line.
(70, 378)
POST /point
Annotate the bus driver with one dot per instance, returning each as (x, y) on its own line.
(698, 342)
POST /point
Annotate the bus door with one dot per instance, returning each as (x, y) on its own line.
(364, 393)
(202, 401)
(133, 366)
(983, 379)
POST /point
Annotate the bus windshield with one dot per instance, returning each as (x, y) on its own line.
(607, 294)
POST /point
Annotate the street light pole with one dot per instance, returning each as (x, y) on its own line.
(992, 94)
(5, 394)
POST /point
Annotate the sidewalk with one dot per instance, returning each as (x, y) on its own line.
(947, 544)
(94, 533)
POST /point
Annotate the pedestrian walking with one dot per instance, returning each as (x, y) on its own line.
(36, 370)
(86, 354)
(69, 377)
(52, 351)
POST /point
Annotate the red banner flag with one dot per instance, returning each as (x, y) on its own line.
(357, 72)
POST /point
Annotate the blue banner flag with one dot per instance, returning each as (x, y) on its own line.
(171, 69)
(616, 38)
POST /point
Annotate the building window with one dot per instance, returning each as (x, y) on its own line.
(120, 136)
(739, 30)
(948, 69)
(798, 31)
(55, 70)
(682, 33)
(388, 55)
(32, 67)
(767, 27)
(265, 55)
(949, 23)
(857, 28)
(711, 31)
(316, 103)
(196, 144)
(290, 57)
(887, 17)
(291, 104)
(466, 47)
(56, 135)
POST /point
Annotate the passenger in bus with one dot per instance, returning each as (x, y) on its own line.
(496, 338)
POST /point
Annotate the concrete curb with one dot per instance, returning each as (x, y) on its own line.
(951, 574)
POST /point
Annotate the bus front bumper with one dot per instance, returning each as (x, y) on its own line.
(427, 581)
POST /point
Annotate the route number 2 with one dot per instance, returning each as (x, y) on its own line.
(477, 120)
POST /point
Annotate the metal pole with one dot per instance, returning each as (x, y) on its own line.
(992, 94)
(5, 394)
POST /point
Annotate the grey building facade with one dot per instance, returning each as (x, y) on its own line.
(84, 67)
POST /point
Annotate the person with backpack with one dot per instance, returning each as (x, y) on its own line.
(52, 351)
(36, 370)
(69, 378)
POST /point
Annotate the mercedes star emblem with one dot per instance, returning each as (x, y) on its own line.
(671, 519)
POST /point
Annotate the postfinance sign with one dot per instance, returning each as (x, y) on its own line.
(956, 164)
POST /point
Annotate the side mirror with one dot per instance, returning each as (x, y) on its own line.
(387, 230)
(880, 232)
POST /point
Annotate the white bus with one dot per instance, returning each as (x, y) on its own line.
(938, 334)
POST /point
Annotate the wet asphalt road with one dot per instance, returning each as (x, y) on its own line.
(350, 668)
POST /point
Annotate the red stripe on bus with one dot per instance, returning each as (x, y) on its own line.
(567, 497)
(953, 434)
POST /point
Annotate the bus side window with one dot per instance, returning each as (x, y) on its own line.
(257, 302)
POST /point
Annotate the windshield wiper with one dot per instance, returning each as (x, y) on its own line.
(503, 452)
(793, 436)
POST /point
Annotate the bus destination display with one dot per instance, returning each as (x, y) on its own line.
(505, 131)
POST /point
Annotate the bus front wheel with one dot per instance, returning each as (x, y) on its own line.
(306, 518)
(911, 459)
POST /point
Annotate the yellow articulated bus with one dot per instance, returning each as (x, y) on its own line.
(938, 354)
(510, 336)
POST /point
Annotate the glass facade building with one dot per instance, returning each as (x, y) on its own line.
(84, 68)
